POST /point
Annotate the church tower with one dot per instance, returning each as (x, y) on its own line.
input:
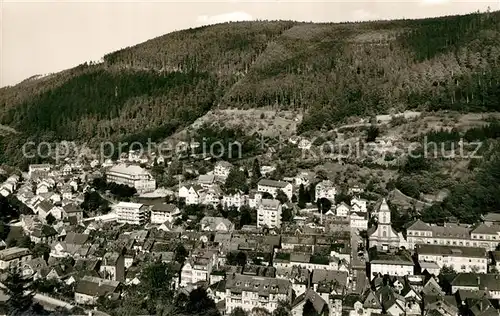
(384, 237)
(384, 214)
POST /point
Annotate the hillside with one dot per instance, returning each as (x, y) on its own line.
(328, 72)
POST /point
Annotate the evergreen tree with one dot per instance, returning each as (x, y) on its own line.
(309, 309)
(20, 296)
(303, 196)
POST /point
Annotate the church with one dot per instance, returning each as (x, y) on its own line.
(383, 236)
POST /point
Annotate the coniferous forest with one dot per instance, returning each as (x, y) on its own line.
(329, 72)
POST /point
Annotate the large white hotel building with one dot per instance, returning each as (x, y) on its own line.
(133, 176)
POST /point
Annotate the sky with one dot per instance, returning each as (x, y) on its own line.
(42, 37)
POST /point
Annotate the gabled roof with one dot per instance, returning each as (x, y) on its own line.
(481, 281)
(46, 206)
(44, 231)
(310, 295)
(76, 238)
(93, 286)
(273, 183)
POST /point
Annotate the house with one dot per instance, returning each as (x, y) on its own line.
(72, 210)
(216, 224)
(325, 189)
(42, 187)
(211, 196)
(254, 199)
(89, 289)
(43, 209)
(74, 245)
(491, 218)
(343, 210)
(14, 258)
(132, 176)
(44, 234)
(34, 268)
(164, 212)
(384, 237)
(248, 292)
(206, 180)
(359, 205)
(197, 269)
(269, 213)
(461, 259)
(358, 220)
(131, 213)
(222, 169)
(191, 194)
(113, 266)
(237, 200)
(272, 187)
(318, 303)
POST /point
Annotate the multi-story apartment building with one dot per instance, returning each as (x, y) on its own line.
(325, 189)
(269, 213)
(164, 212)
(249, 292)
(13, 258)
(272, 187)
(133, 176)
(484, 236)
(131, 213)
(461, 259)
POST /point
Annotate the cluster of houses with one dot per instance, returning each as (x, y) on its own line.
(335, 260)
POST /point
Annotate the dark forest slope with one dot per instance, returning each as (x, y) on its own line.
(330, 71)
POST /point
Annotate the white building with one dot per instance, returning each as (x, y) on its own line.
(482, 235)
(222, 169)
(131, 213)
(133, 176)
(325, 189)
(343, 210)
(269, 213)
(38, 168)
(272, 187)
(359, 220)
(461, 259)
(359, 205)
(191, 194)
(237, 200)
(14, 258)
(164, 212)
(391, 265)
(249, 292)
(197, 269)
(384, 237)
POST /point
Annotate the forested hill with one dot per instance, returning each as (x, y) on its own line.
(330, 71)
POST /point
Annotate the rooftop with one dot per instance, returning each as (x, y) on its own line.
(454, 251)
(262, 285)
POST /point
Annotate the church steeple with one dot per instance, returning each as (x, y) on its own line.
(384, 213)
